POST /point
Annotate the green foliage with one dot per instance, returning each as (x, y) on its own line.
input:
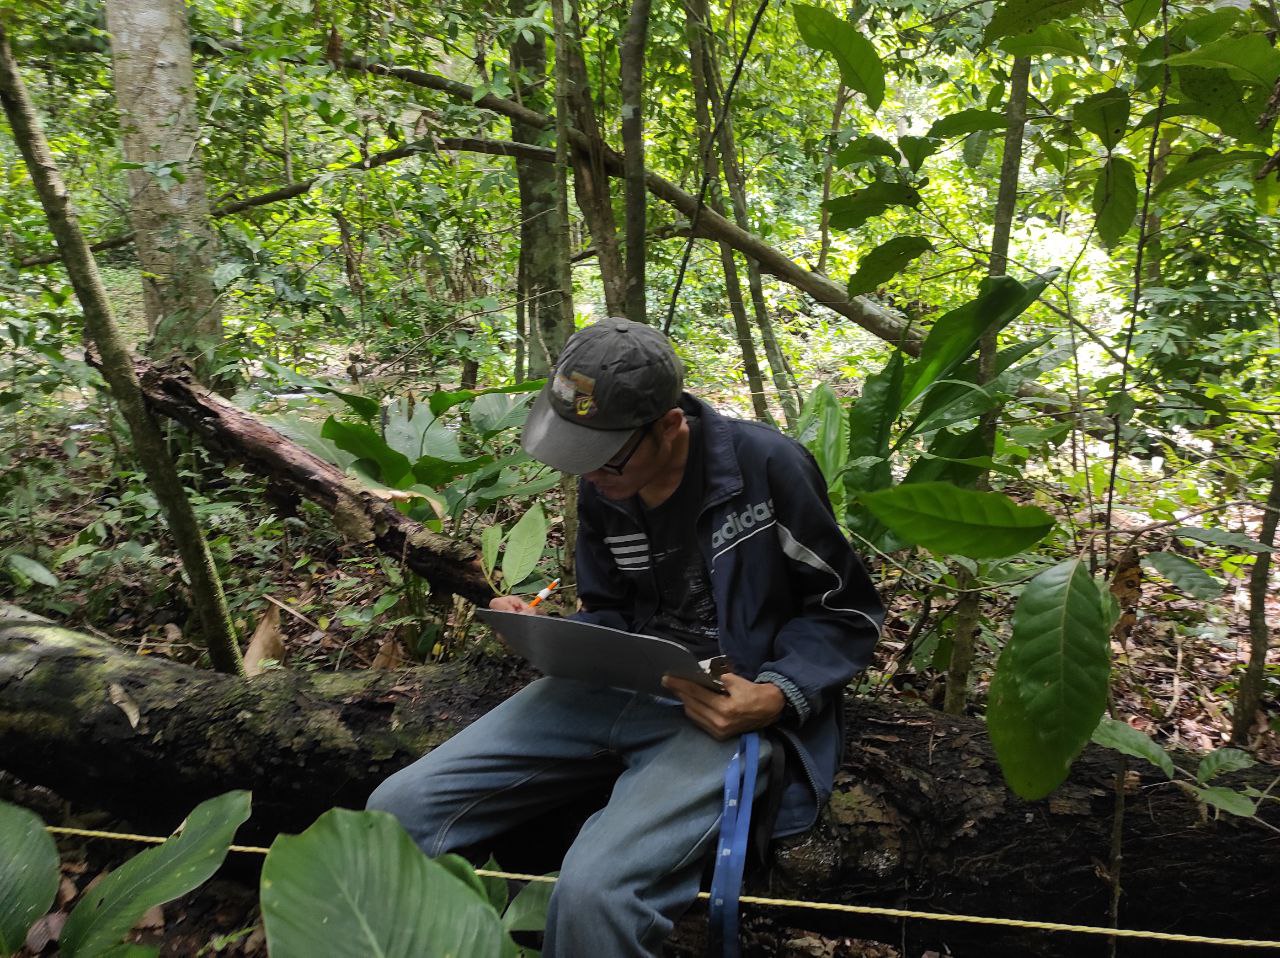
(1251, 59)
(1023, 16)
(967, 121)
(851, 211)
(954, 521)
(860, 66)
(1051, 681)
(1184, 573)
(525, 543)
(378, 893)
(1105, 115)
(154, 877)
(1220, 537)
(28, 874)
(886, 261)
(1126, 739)
(1222, 761)
(28, 568)
(824, 429)
(1115, 200)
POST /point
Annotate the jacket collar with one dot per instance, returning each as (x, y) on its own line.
(724, 477)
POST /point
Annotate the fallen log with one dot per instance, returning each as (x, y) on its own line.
(920, 819)
(238, 436)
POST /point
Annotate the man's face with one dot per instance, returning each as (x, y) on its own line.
(641, 460)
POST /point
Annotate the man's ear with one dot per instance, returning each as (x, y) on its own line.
(671, 421)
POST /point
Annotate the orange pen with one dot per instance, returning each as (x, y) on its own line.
(544, 593)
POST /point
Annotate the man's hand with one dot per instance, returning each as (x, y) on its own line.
(513, 603)
(747, 707)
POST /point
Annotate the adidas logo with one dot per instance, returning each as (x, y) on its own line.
(738, 523)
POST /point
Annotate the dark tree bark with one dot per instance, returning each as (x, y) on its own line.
(362, 516)
(1249, 697)
(631, 59)
(920, 818)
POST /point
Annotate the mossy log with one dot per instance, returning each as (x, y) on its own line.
(921, 817)
(237, 436)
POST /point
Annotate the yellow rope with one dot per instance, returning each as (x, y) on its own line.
(810, 905)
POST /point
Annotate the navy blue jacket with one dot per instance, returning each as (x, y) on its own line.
(794, 603)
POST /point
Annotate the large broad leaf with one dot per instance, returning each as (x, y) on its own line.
(916, 149)
(525, 543)
(1249, 58)
(1115, 200)
(1221, 537)
(28, 874)
(364, 442)
(441, 401)
(1141, 12)
(434, 472)
(871, 420)
(33, 570)
(866, 148)
(1127, 740)
(1221, 761)
(824, 430)
(1051, 39)
(1202, 162)
(885, 261)
(1214, 94)
(851, 211)
(1185, 574)
(860, 66)
(955, 335)
(1105, 115)
(414, 431)
(1050, 687)
(967, 121)
(1227, 800)
(944, 461)
(528, 910)
(354, 885)
(490, 543)
(155, 876)
(946, 519)
(1022, 16)
(495, 412)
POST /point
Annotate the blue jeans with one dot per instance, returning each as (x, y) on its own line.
(636, 865)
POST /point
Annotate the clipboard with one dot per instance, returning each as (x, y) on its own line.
(597, 654)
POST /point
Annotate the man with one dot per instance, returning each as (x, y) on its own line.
(711, 531)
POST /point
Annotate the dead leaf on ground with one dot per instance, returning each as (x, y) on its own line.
(47, 929)
(119, 697)
(151, 920)
(390, 655)
(267, 642)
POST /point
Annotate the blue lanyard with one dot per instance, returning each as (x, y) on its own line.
(731, 851)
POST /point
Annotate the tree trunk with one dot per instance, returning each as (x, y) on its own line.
(1250, 695)
(148, 443)
(631, 67)
(783, 379)
(828, 172)
(168, 206)
(920, 817)
(539, 213)
(968, 607)
(359, 514)
(732, 286)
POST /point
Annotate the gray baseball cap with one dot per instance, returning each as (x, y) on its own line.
(611, 379)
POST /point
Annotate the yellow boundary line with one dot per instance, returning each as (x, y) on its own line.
(809, 905)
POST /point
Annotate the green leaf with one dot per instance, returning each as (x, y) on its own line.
(866, 148)
(33, 570)
(1105, 115)
(1201, 162)
(28, 874)
(1051, 39)
(1227, 800)
(1115, 200)
(975, 148)
(1023, 16)
(364, 442)
(355, 884)
(525, 543)
(155, 876)
(1249, 58)
(1141, 12)
(1000, 300)
(860, 66)
(1127, 740)
(1051, 680)
(1221, 537)
(1217, 96)
(953, 521)
(917, 149)
(364, 407)
(824, 429)
(436, 472)
(945, 459)
(885, 262)
(871, 420)
(1185, 574)
(967, 121)
(851, 211)
(528, 910)
(440, 401)
(492, 413)
(490, 543)
(1222, 761)
(412, 430)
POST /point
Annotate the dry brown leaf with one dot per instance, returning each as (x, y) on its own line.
(390, 655)
(151, 920)
(47, 929)
(119, 697)
(267, 642)
(67, 891)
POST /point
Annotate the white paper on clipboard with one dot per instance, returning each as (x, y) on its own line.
(596, 654)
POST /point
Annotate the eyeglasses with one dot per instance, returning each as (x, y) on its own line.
(619, 462)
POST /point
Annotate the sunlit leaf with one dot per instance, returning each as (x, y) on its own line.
(1249, 58)
(1203, 162)
(1022, 16)
(32, 569)
(860, 66)
(1221, 537)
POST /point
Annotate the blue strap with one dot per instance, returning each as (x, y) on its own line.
(731, 851)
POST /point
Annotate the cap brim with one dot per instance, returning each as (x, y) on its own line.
(565, 445)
